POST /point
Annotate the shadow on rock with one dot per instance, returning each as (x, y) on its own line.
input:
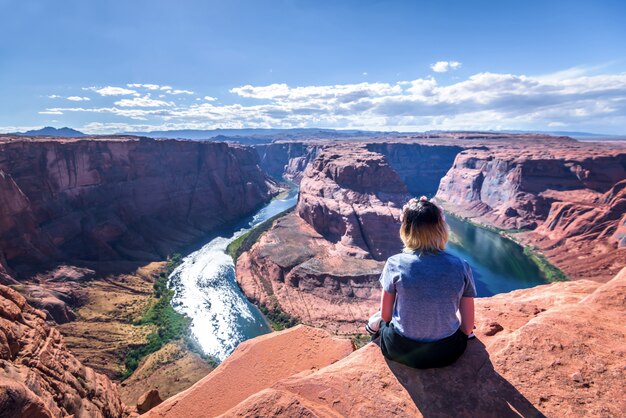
(471, 387)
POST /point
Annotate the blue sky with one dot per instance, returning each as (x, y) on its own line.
(112, 66)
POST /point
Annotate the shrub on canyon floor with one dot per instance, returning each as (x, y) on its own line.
(244, 242)
(550, 271)
(278, 319)
(169, 324)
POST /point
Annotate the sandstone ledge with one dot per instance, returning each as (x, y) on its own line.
(536, 354)
(255, 365)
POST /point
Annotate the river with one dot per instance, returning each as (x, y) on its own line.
(206, 290)
(499, 265)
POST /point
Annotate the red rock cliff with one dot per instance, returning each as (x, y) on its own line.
(567, 193)
(321, 264)
(287, 159)
(103, 199)
(535, 355)
(420, 166)
(39, 376)
(353, 198)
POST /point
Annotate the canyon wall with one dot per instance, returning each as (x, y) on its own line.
(39, 376)
(567, 196)
(420, 166)
(119, 198)
(353, 198)
(104, 202)
(321, 263)
(287, 159)
(514, 187)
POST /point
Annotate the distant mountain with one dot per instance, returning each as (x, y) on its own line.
(571, 134)
(255, 135)
(50, 131)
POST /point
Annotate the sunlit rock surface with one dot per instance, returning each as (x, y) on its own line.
(39, 376)
(119, 198)
(568, 193)
(255, 365)
(535, 354)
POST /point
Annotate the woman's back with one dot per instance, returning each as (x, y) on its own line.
(428, 290)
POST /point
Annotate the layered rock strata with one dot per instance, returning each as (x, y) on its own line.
(353, 198)
(317, 264)
(321, 263)
(119, 198)
(293, 269)
(39, 376)
(100, 202)
(420, 166)
(287, 159)
(535, 355)
(568, 194)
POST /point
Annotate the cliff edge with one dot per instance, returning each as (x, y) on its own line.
(535, 355)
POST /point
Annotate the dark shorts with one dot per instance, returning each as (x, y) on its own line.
(421, 355)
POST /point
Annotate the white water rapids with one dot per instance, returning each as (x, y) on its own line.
(205, 289)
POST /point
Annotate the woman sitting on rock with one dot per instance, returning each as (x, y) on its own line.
(423, 289)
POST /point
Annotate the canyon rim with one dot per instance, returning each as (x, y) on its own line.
(198, 201)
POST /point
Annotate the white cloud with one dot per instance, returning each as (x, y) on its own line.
(50, 112)
(111, 91)
(145, 86)
(179, 92)
(10, 129)
(444, 66)
(572, 99)
(53, 96)
(144, 101)
(78, 98)
(340, 92)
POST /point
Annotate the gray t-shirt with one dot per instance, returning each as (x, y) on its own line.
(428, 290)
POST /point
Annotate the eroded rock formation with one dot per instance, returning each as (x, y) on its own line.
(39, 376)
(292, 268)
(567, 193)
(535, 355)
(99, 202)
(321, 263)
(315, 263)
(420, 166)
(128, 198)
(287, 159)
(353, 198)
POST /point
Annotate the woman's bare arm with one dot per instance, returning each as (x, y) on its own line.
(466, 307)
(386, 305)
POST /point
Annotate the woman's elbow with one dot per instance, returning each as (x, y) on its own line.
(386, 306)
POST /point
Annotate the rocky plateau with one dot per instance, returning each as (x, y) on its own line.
(86, 223)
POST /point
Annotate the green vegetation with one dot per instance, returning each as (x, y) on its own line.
(170, 325)
(550, 271)
(360, 340)
(247, 240)
(278, 319)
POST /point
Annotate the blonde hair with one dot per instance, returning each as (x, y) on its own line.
(424, 227)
